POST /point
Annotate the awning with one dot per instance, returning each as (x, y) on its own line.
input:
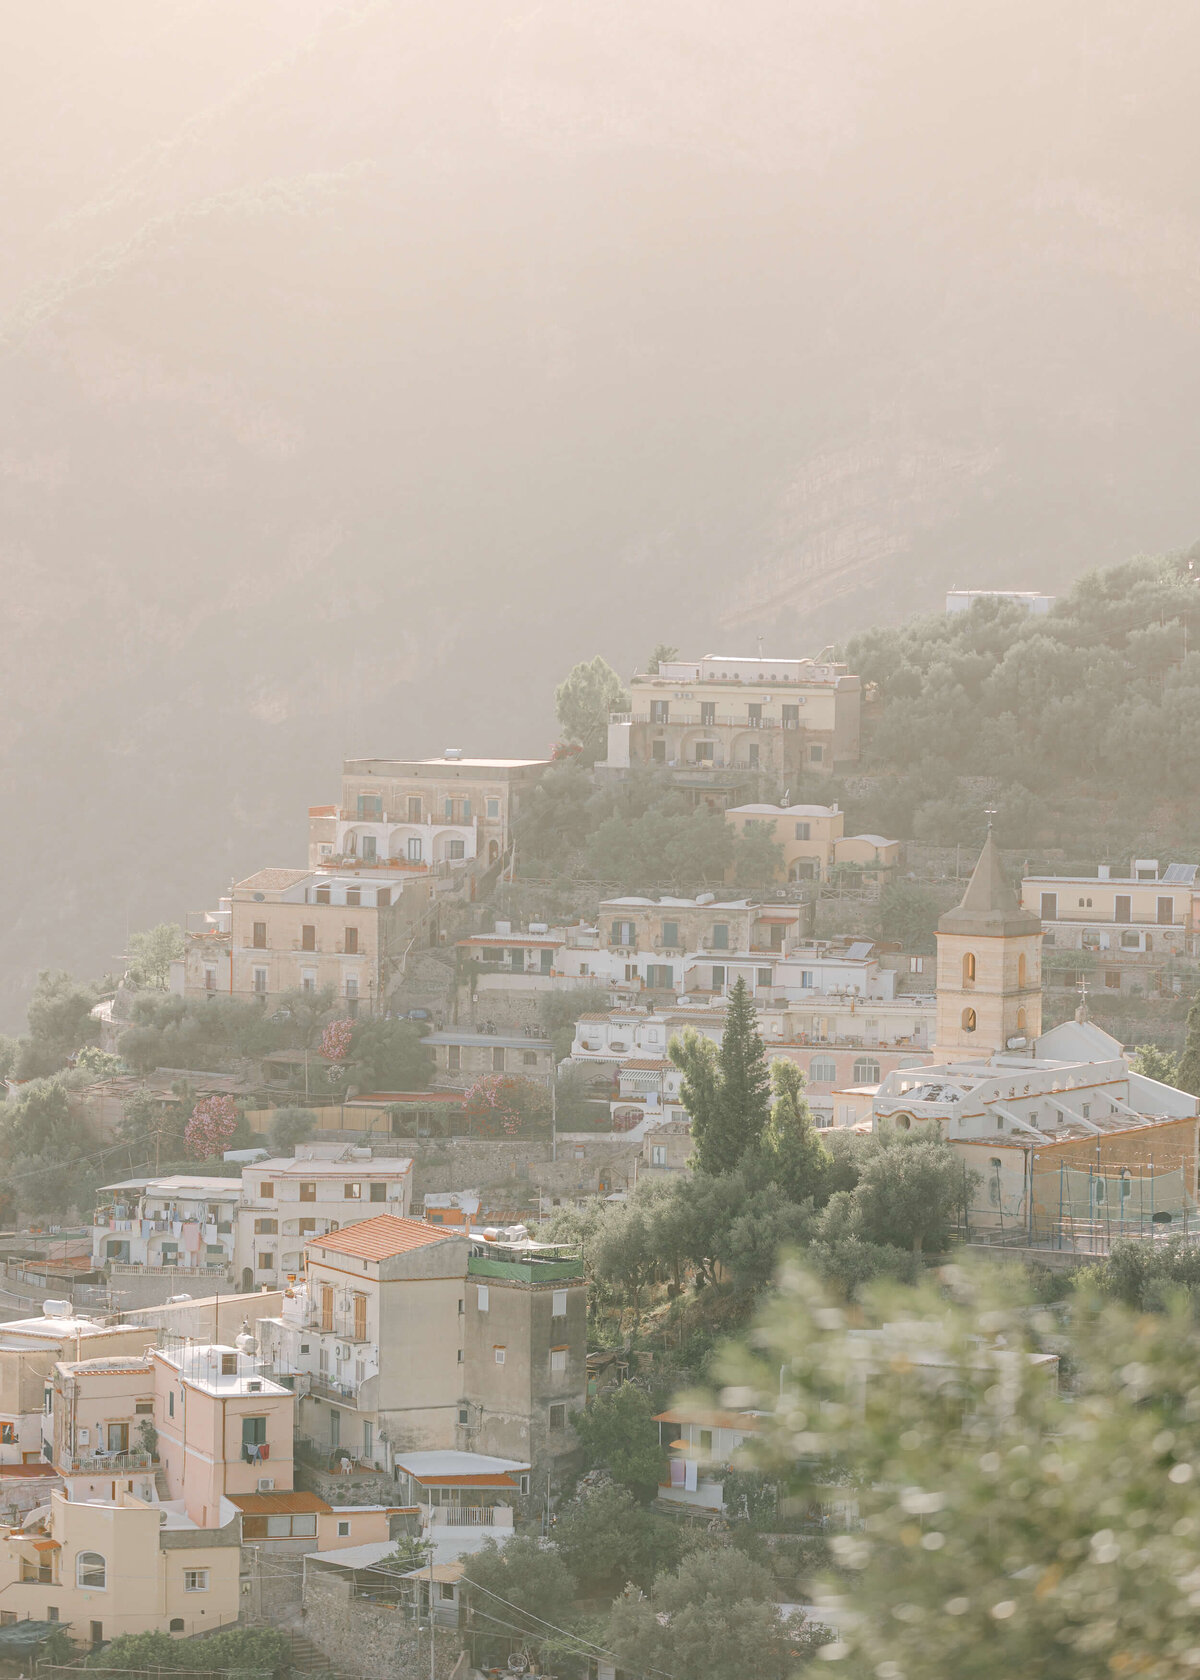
(22, 1636)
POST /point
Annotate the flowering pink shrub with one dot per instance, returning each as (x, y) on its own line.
(213, 1122)
(499, 1105)
(335, 1040)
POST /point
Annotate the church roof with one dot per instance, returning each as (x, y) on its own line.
(989, 905)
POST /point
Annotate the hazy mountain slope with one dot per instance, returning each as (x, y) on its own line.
(365, 364)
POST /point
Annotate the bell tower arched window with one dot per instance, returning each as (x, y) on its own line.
(968, 968)
(968, 1020)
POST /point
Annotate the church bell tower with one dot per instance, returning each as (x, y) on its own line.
(989, 968)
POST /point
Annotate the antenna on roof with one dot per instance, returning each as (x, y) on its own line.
(989, 812)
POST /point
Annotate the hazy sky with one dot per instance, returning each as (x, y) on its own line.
(364, 365)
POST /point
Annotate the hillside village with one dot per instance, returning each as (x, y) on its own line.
(372, 1243)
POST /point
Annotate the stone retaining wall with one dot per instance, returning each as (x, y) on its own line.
(376, 1641)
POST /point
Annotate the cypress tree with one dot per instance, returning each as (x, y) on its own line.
(1187, 1075)
(726, 1091)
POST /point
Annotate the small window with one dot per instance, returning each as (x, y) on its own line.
(266, 1261)
(916, 965)
(558, 1304)
(195, 1580)
(229, 1364)
(171, 1403)
(308, 1192)
(706, 1440)
(968, 969)
(968, 1020)
(558, 1417)
(260, 936)
(866, 1071)
(267, 1192)
(764, 977)
(492, 809)
(260, 980)
(499, 1353)
(453, 1058)
(352, 1192)
(266, 1227)
(529, 1058)
(658, 1154)
(457, 849)
(143, 1408)
(308, 937)
(7, 1434)
(816, 754)
(414, 849)
(558, 1360)
(498, 1059)
(343, 1530)
(176, 1624)
(379, 1192)
(483, 1297)
(351, 943)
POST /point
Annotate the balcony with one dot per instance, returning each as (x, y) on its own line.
(470, 1516)
(324, 1387)
(98, 1462)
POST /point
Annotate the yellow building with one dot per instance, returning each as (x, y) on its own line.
(779, 716)
(813, 840)
(426, 812)
(284, 930)
(989, 977)
(125, 1566)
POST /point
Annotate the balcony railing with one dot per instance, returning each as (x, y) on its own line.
(470, 1516)
(96, 1460)
(330, 1388)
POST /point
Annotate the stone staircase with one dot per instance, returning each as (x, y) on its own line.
(307, 1658)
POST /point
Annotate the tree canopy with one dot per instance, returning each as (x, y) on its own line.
(725, 1090)
(583, 701)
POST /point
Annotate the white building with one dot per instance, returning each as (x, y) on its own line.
(287, 1201)
(179, 1224)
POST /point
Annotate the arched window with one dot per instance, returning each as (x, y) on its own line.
(1022, 967)
(176, 1624)
(902, 1122)
(1021, 1017)
(969, 969)
(822, 1070)
(968, 1020)
(866, 1071)
(91, 1570)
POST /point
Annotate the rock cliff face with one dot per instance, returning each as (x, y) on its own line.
(362, 366)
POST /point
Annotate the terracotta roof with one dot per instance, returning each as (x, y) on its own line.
(644, 1064)
(273, 880)
(280, 1504)
(477, 1478)
(710, 1419)
(459, 1097)
(27, 1470)
(322, 810)
(47, 1545)
(376, 1239)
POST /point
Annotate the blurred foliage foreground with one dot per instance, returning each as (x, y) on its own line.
(1015, 1486)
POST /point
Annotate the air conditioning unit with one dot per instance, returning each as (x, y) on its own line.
(266, 1484)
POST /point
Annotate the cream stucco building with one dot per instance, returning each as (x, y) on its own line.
(713, 715)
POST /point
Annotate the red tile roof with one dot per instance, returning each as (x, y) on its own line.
(376, 1239)
(280, 1504)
